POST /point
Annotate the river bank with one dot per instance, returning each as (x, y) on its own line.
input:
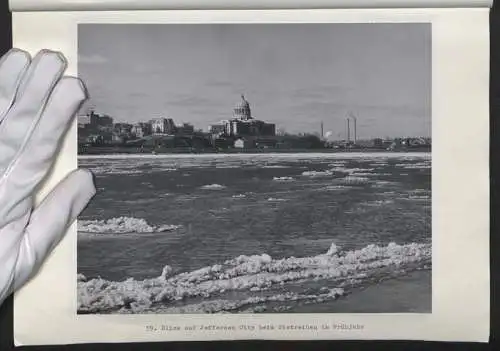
(115, 150)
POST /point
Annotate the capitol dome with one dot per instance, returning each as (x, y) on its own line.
(242, 110)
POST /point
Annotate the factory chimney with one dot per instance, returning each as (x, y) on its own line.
(355, 129)
(348, 131)
(355, 120)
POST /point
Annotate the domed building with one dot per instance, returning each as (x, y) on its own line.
(243, 124)
(242, 110)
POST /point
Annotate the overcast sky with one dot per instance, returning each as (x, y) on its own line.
(294, 75)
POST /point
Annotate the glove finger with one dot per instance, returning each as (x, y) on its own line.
(50, 221)
(39, 153)
(13, 65)
(34, 90)
(12, 236)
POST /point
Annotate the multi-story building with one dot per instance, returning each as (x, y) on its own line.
(122, 128)
(83, 121)
(105, 121)
(185, 128)
(243, 124)
(163, 126)
(92, 124)
(217, 129)
(94, 120)
(141, 129)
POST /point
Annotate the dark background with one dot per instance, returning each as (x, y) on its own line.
(6, 328)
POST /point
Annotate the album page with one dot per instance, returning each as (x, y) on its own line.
(283, 174)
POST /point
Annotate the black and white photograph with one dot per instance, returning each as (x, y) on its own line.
(256, 168)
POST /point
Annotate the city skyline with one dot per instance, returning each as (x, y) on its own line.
(380, 72)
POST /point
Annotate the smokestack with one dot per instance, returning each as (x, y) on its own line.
(355, 120)
(322, 132)
(348, 131)
(355, 131)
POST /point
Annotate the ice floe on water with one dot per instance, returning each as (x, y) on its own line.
(274, 199)
(336, 188)
(283, 179)
(365, 174)
(213, 187)
(419, 197)
(136, 164)
(275, 166)
(415, 197)
(419, 165)
(377, 203)
(111, 171)
(379, 163)
(349, 172)
(387, 193)
(227, 166)
(352, 170)
(121, 225)
(337, 164)
(330, 272)
(317, 173)
(103, 167)
(140, 201)
(354, 180)
(254, 304)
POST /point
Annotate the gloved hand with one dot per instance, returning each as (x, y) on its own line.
(37, 105)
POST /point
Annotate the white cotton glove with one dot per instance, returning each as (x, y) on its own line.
(37, 105)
